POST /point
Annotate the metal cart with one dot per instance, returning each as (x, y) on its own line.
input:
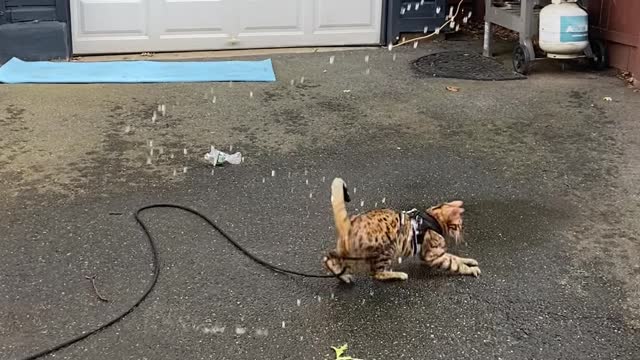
(523, 17)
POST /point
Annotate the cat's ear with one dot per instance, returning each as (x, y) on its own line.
(456, 203)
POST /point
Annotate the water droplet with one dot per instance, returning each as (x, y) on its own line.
(184, 151)
(148, 160)
(404, 39)
(319, 298)
(240, 330)
(154, 117)
(298, 302)
(417, 6)
(399, 260)
(163, 109)
(390, 46)
(371, 292)
(159, 107)
(331, 59)
(306, 171)
(150, 143)
(426, 29)
(242, 159)
(415, 44)
(301, 338)
(213, 171)
(384, 199)
(184, 170)
(302, 80)
(421, 2)
(437, 31)
(362, 301)
(213, 101)
(175, 172)
(250, 94)
(362, 203)
(366, 59)
(289, 175)
(293, 82)
(376, 205)
(452, 24)
(438, 10)
(127, 129)
(263, 180)
(151, 152)
(307, 181)
(355, 190)
(161, 151)
(323, 178)
(262, 332)
(273, 173)
(394, 57)
(367, 72)
(284, 325)
(451, 11)
(402, 10)
(469, 15)
(409, 7)
(458, 27)
(230, 148)
(171, 156)
(333, 296)
(310, 195)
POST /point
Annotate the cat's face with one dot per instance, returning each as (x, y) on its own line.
(450, 215)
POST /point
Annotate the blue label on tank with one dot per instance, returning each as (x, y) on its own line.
(574, 28)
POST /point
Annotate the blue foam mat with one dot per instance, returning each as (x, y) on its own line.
(16, 71)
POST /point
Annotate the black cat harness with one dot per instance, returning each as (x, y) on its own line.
(421, 222)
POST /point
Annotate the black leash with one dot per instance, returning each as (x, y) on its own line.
(156, 272)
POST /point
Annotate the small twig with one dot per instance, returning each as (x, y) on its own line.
(435, 32)
(95, 289)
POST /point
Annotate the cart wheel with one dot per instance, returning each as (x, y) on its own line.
(521, 60)
(600, 61)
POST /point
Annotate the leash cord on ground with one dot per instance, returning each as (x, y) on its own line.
(156, 272)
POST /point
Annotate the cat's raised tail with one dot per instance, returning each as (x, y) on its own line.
(339, 198)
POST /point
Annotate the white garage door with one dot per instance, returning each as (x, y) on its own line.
(128, 26)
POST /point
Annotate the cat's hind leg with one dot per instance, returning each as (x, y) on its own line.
(336, 266)
(381, 268)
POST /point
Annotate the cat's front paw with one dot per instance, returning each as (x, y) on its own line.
(469, 261)
(347, 278)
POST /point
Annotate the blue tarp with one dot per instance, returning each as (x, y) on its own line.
(16, 71)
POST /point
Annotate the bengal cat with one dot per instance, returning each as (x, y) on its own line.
(376, 238)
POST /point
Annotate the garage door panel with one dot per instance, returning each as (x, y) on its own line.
(260, 16)
(106, 18)
(352, 14)
(195, 16)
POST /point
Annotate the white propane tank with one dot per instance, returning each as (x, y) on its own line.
(564, 29)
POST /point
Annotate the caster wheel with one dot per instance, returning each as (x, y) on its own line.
(600, 59)
(521, 60)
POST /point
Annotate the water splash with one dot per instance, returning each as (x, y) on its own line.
(302, 80)
(154, 117)
(262, 332)
(438, 10)
(415, 44)
(306, 181)
(319, 298)
(184, 151)
(250, 94)
(366, 59)
(293, 82)
(384, 200)
(284, 325)
(273, 173)
(150, 143)
(355, 190)
(394, 57)
(148, 160)
(333, 296)
(399, 260)
(306, 172)
(390, 46)
(409, 7)
(332, 59)
(323, 179)
(426, 29)
(263, 180)
(175, 172)
(127, 129)
(362, 203)
(310, 195)
(213, 100)
(171, 156)
(298, 302)
(402, 10)
(184, 170)
(240, 330)
(371, 292)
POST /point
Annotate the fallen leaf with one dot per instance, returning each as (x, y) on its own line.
(607, 98)
(453, 88)
(341, 350)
